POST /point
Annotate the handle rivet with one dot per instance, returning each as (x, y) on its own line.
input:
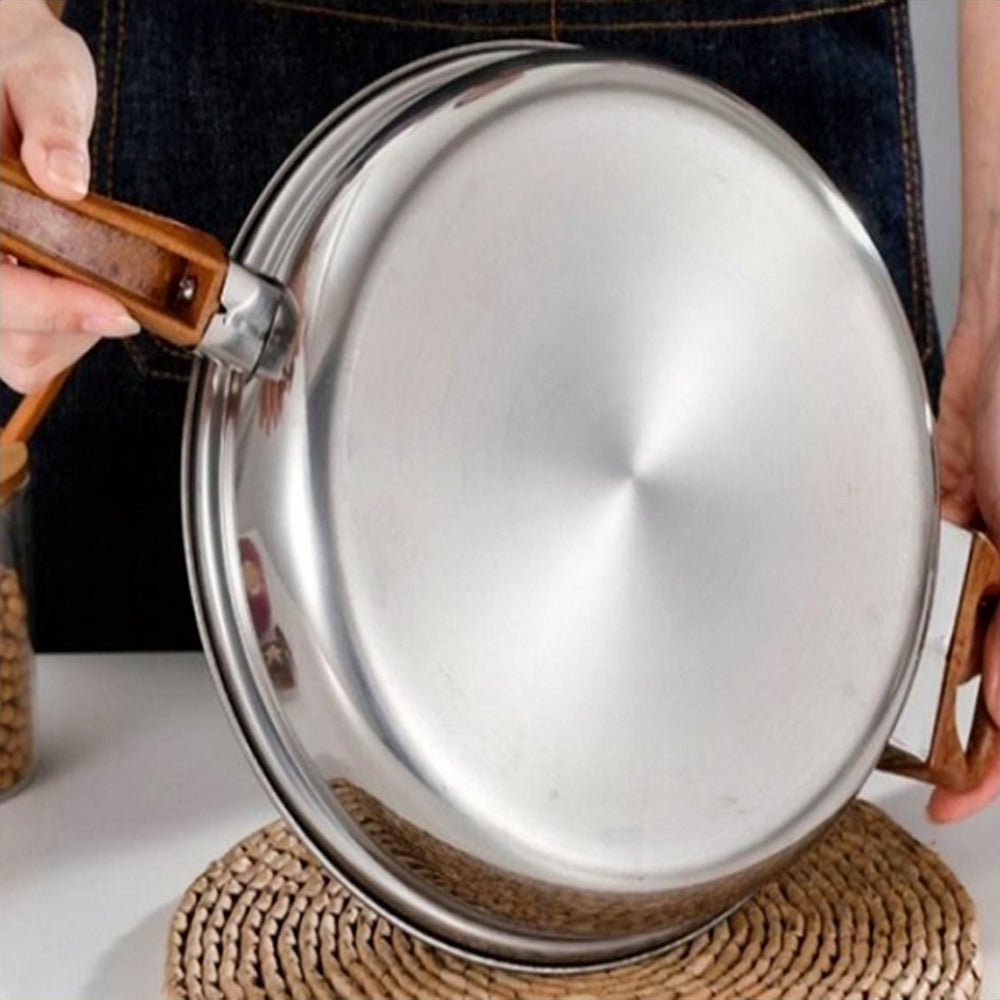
(186, 288)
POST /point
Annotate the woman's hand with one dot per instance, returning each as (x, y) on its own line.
(968, 445)
(48, 91)
(968, 430)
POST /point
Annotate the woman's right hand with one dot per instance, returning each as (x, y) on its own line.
(48, 90)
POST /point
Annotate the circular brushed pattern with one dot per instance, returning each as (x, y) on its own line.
(616, 448)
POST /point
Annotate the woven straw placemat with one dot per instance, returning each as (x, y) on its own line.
(867, 913)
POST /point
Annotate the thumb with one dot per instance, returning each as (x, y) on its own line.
(52, 97)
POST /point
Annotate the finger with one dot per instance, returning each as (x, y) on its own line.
(954, 447)
(29, 360)
(946, 806)
(47, 324)
(958, 504)
(51, 96)
(950, 807)
(31, 302)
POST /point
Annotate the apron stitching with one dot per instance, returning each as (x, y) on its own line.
(142, 362)
(349, 15)
(156, 344)
(923, 260)
(764, 20)
(553, 35)
(168, 376)
(133, 350)
(127, 343)
(177, 352)
(160, 345)
(115, 96)
(907, 179)
(102, 60)
(922, 308)
(135, 355)
(580, 3)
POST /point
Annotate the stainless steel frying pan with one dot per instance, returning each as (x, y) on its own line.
(567, 565)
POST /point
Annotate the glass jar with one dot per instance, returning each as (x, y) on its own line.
(17, 666)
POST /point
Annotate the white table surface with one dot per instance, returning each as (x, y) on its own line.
(141, 784)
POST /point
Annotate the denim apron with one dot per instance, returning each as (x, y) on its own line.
(201, 100)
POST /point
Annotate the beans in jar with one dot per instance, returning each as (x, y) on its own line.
(16, 736)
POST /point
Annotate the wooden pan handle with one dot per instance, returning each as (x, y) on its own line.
(950, 764)
(168, 276)
(30, 411)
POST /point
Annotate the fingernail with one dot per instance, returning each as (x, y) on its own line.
(70, 168)
(115, 325)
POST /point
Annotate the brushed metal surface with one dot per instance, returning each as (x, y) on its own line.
(597, 520)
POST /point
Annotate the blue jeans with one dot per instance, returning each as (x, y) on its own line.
(201, 100)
